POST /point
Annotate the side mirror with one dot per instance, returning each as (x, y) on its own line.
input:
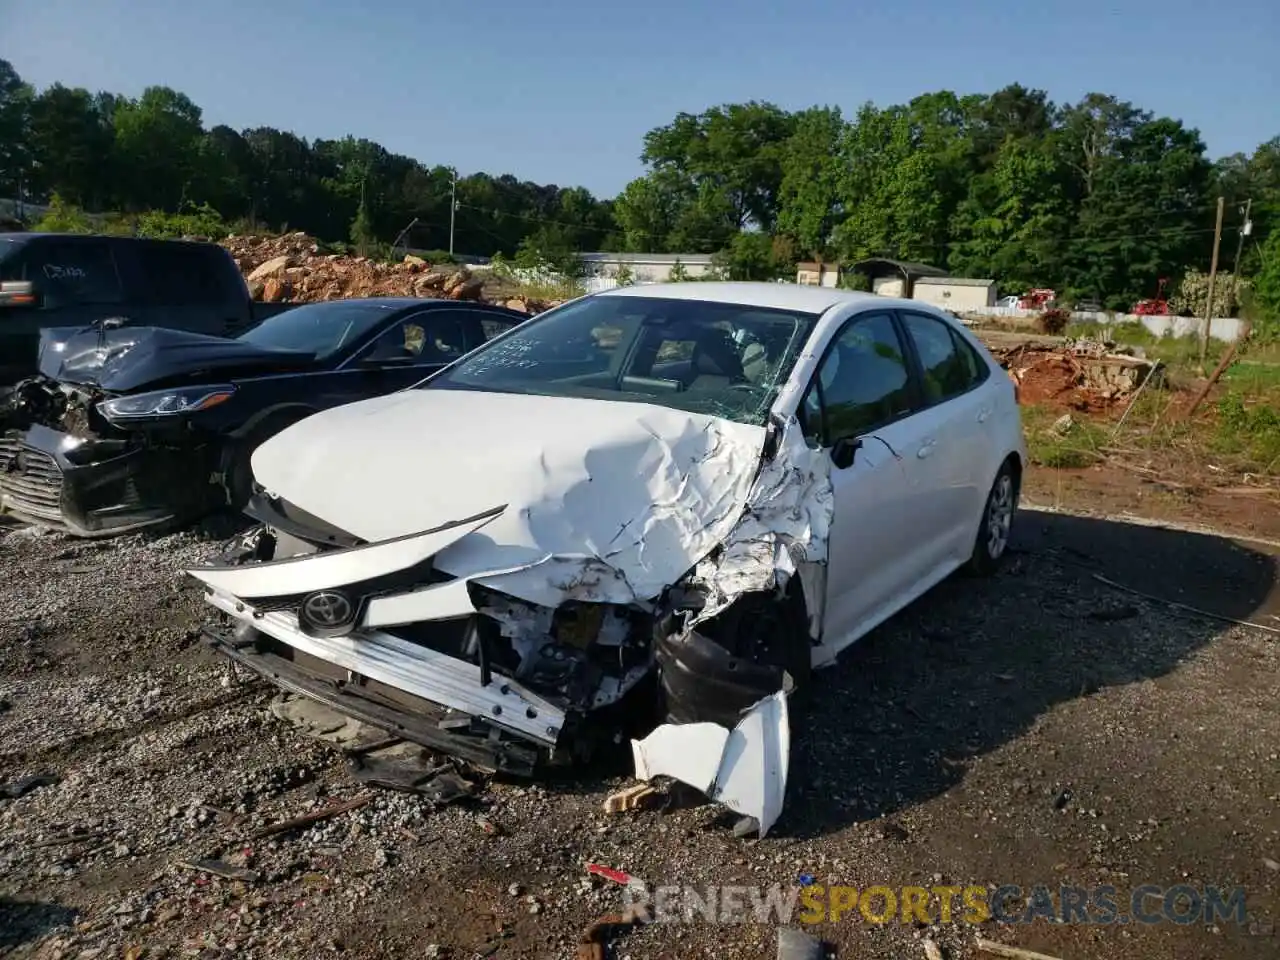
(843, 452)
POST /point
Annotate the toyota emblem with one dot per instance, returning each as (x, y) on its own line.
(327, 613)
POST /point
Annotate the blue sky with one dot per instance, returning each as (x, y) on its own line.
(562, 91)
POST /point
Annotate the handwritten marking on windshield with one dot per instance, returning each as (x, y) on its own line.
(53, 271)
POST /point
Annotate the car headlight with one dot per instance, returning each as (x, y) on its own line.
(165, 403)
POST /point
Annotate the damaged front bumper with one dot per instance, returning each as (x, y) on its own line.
(96, 487)
(376, 631)
(408, 690)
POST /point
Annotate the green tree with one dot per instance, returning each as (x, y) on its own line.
(1011, 224)
(647, 211)
(1266, 289)
(1142, 185)
(809, 193)
(63, 217)
(905, 170)
(157, 140)
(734, 150)
(74, 145)
(15, 117)
(753, 255)
(550, 250)
(362, 235)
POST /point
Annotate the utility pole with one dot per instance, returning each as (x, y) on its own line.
(453, 205)
(1213, 276)
(1246, 228)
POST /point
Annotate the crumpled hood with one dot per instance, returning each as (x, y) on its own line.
(605, 500)
(121, 359)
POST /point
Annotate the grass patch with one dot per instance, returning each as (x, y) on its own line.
(546, 290)
(1078, 446)
(1251, 376)
(1248, 428)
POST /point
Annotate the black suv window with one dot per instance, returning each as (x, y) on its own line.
(862, 383)
(12, 261)
(947, 371)
(179, 274)
(71, 272)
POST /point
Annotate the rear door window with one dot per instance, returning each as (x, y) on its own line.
(72, 272)
(946, 371)
(431, 337)
(491, 325)
(179, 274)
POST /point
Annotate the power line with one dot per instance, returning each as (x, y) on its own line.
(1184, 231)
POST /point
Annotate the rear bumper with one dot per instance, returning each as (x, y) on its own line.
(124, 492)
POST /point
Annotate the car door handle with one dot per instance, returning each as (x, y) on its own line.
(925, 450)
(983, 414)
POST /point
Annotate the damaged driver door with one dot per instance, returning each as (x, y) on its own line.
(858, 407)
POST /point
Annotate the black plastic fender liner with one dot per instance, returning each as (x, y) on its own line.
(701, 682)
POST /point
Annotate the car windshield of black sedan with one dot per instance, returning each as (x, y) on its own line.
(722, 359)
(321, 329)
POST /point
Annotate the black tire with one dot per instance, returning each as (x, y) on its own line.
(992, 542)
(238, 475)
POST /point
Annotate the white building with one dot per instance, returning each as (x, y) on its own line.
(955, 293)
(818, 274)
(645, 267)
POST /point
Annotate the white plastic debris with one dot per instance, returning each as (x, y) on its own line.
(744, 768)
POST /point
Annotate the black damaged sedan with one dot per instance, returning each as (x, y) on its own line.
(128, 428)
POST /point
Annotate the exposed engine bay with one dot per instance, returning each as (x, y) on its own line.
(60, 406)
(62, 463)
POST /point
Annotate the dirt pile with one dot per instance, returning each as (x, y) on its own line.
(1079, 375)
(292, 268)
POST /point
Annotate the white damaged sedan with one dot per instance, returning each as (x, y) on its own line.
(681, 497)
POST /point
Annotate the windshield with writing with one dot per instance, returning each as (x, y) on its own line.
(721, 359)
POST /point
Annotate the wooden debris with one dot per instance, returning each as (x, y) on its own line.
(931, 950)
(595, 940)
(220, 868)
(1014, 953)
(637, 797)
(68, 838)
(315, 817)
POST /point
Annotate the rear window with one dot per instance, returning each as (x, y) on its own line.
(67, 272)
(176, 274)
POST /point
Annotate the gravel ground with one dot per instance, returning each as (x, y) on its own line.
(1037, 728)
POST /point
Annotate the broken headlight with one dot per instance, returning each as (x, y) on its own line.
(165, 403)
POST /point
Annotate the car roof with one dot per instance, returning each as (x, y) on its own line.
(778, 296)
(401, 303)
(83, 237)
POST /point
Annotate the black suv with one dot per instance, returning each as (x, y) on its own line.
(70, 280)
